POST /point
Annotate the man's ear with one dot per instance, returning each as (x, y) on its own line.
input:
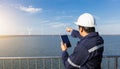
(81, 29)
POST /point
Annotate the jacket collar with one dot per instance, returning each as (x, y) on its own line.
(93, 34)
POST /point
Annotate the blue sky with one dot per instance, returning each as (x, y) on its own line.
(22, 17)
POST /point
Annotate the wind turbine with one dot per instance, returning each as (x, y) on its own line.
(29, 30)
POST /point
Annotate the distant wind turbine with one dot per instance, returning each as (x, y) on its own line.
(29, 30)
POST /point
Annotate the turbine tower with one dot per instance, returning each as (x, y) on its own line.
(29, 30)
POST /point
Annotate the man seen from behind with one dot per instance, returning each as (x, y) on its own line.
(88, 52)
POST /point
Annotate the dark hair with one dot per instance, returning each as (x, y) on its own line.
(88, 29)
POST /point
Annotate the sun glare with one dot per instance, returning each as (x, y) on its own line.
(6, 22)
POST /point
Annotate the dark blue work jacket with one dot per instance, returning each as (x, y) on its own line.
(87, 54)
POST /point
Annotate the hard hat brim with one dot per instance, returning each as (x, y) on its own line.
(76, 23)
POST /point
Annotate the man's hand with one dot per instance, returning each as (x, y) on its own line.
(68, 29)
(63, 46)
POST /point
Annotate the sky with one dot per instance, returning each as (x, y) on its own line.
(51, 17)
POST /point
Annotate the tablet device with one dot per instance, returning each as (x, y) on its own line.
(65, 39)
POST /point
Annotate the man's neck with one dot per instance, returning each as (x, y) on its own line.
(85, 34)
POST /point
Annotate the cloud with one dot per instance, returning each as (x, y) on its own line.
(63, 17)
(29, 9)
(57, 25)
(0, 5)
(54, 24)
(109, 28)
(54, 28)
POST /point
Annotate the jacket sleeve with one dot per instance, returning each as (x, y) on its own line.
(75, 34)
(78, 58)
(65, 56)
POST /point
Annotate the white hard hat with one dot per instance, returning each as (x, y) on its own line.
(86, 20)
